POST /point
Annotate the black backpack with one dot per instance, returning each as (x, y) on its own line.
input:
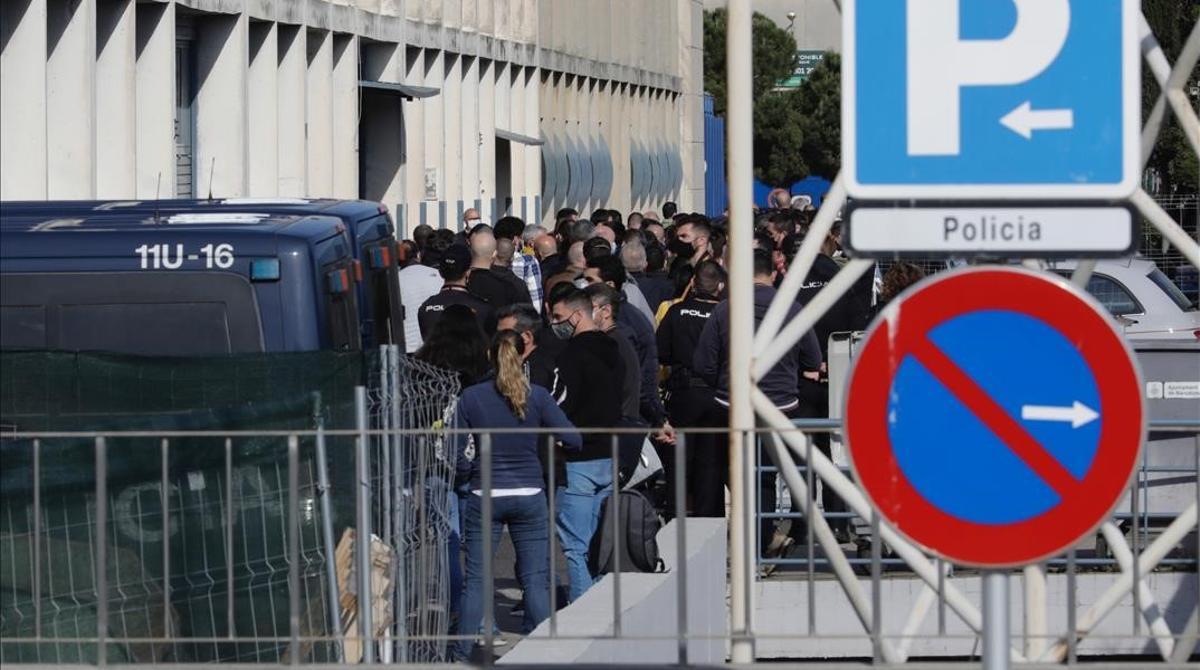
(639, 526)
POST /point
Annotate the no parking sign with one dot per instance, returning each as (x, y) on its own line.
(994, 416)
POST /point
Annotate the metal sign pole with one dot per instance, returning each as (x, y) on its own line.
(996, 630)
(741, 312)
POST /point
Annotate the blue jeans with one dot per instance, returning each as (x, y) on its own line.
(588, 484)
(528, 524)
(456, 503)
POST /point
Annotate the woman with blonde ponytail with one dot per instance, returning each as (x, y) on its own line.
(507, 401)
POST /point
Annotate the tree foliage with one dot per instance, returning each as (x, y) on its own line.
(1173, 158)
(797, 131)
(773, 58)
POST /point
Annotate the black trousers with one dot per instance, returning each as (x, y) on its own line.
(706, 471)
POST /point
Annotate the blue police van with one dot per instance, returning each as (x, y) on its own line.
(366, 228)
(181, 284)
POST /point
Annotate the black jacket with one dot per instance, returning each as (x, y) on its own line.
(552, 265)
(640, 332)
(711, 360)
(431, 310)
(500, 288)
(656, 286)
(678, 336)
(631, 386)
(851, 312)
(588, 388)
(541, 364)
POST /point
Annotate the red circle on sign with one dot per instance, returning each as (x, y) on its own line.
(902, 329)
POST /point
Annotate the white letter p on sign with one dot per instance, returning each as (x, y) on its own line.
(940, 63)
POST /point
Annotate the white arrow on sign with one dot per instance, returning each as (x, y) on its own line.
(1024, 119)
(1078, 414)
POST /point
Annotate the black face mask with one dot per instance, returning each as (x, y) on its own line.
(681, 248)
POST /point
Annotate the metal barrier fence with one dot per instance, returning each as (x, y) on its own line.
(1158, 494)
(74, 594)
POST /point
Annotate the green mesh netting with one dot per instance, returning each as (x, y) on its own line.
(51, 391)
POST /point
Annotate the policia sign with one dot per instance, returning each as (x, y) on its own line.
(996, 229)
(1004, 129)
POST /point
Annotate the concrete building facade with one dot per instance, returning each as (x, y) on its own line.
(429, 106)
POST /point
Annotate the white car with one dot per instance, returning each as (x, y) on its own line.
(1143, 299)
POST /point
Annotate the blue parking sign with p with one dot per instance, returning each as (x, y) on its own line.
(991, 98)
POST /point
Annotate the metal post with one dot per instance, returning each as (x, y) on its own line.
(293, 551)
(876, 589)
(614, 512)
(399, 555)
(681, 598)
(739, 151)
(551, 494)
(164, 500)
(387, 400)
(995, 620)
(323, 496)
(1072, 623)
(362, 532)
(230, 624)
(101, 551)
(485, 530)
(1035, 611)
(809, 506)
(37, 539)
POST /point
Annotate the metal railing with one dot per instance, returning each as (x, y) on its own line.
(1139, 516)
(276, 603)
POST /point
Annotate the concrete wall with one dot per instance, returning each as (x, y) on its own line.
(93, 102)
(648, 610)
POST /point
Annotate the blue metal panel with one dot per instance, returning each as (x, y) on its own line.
(635, 172)
(563, 166)
(656, 173)
(585, 145)
(574, 173)
(549, 175)
(716, 192)
(597, 168)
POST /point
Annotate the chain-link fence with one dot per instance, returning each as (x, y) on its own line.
(412, 472)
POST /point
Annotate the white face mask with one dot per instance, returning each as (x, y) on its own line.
(581, 283)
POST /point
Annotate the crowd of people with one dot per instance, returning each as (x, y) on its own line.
(603, 322)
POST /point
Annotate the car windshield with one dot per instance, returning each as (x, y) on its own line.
(1177, 296)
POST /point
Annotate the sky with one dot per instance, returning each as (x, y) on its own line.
(817, 24)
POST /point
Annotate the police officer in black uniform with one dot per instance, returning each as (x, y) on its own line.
(453, 269)
(691, 402)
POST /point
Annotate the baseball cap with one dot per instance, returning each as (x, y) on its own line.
(457, 257)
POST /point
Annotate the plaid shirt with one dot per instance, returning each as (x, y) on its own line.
(527, 268)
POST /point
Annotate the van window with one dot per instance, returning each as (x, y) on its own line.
(146, 313)
(341, 308)
(150, 329)
(383, 296)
